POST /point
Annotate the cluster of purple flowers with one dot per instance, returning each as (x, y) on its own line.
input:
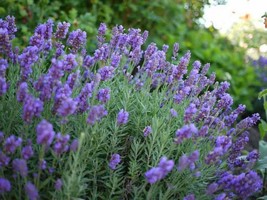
(241, 186)
(188, 161)
(11, 144)
(122, 117)
(114, 161)
(161, 171)
(78, 84)
(147, 130)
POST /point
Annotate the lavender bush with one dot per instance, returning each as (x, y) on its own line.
(120, 123)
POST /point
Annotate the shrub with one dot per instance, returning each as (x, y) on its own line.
(121, 123)
(168, 21)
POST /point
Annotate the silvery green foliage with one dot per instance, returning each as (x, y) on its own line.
(147, 128)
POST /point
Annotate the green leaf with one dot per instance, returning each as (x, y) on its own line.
(2, 10)
(262, 93)
(263, 149)
(262, 198)
(262, 129)
(73, 13)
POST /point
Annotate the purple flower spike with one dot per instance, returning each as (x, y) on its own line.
(115, 60)
(183, 162)
(58, 184)
(76, 40)
(101, 32)
(20, 166)
(102, 29)
(106, 72)
(61, 144)
(22, 91)
(11, 144)
(74, 145)
(62, 30)
(3, 86)
(45, 133)
(3, 67)
(221, 197)
(212, 188)
(114, 161)
(103, 95)
(5, 185)
(27, 152)
(166, 165)
(32, 107)
(4, 160)
(160, 172)
(223, 141)
(31, 191)
(147, 131)
(28, 57)
(185, 132)
(153, 175)
(69, 62)
(189, 197)
(173, 112)
(189, 112)
(122, 117)
(96, 114)
(67, 107)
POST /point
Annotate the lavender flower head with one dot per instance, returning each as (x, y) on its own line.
(11, 144)
(5, 185)
(31, 191)
(62, 30)
(27, 152)
(114, 161)
(185, 161)
(160, 172)
(122, 117)
(3, 86)
(45, 133)
(58, 184)
(76, 40)
(101, 32)
(3, 67)
(4, 160)
(147, 130)
(61, 144)
(173, 112)
(67, 107)
(32, 107)
(106, 73)
(103, 95)
(74, 145)
(212, 188)
(69, 62)
(189, 197)
(96, 113)
(22, 92)
(185, 132)
(20, 166)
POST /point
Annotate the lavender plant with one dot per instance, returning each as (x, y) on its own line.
(120, 123)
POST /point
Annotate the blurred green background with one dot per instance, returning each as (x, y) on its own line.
(168, 21)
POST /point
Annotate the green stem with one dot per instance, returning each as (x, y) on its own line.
(264, 102)
(41, 156)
